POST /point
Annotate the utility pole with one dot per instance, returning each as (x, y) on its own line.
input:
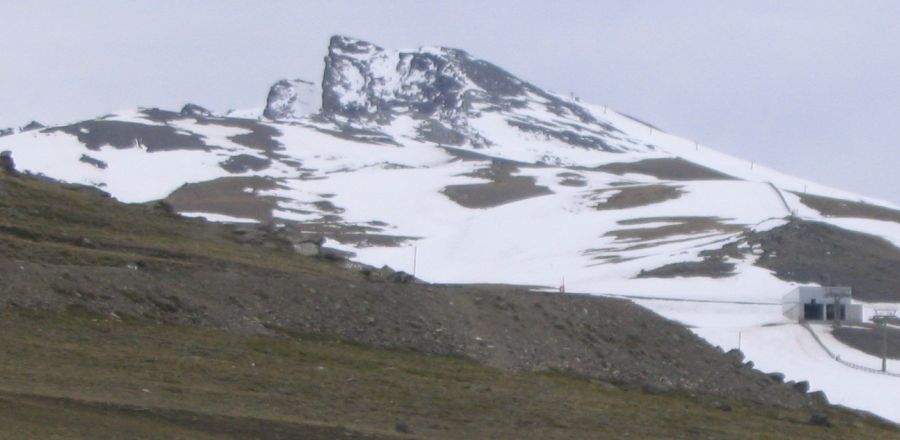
(884, 346)
(882, 316)
(415, 259)
(836, 294)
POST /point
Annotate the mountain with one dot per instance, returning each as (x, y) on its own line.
(440, 164)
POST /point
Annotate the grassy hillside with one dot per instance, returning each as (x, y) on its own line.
(127, 322)
(76, 375)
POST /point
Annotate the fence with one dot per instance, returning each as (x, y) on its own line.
(783, 200)
(838, 358)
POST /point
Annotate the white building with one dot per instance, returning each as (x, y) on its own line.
(818, 304)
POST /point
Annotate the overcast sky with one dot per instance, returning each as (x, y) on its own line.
(811, 88)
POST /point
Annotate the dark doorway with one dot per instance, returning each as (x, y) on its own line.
(812, 312)
(829, 312)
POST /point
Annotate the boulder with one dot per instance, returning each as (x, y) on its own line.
(802, 386)
(819, 420)
(93, 162)
(194, 110)
(308, 248)
(291, 99)
(818, 397)
(6, 163)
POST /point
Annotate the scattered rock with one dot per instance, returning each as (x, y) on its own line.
(91, 161)
(402, 428)
(163, 207)
(245, 162)
(386, 273)
(7, 164)
(818, 397)
(736, 356)
(802, 386)
(776, 377)
(334, 254)
(721, 406)
(308, 248)
(819, 420)
(651, 388)
(194, 110)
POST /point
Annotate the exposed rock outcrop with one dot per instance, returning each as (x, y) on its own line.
(194, 110)
(33, 125)
(6, 163)
(291, 99)
(364, 83)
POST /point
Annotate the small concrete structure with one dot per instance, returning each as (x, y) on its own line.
(821, 304)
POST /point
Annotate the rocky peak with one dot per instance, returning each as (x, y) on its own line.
(445, 89)
(291, 99)
(363, 81)
(33, 125)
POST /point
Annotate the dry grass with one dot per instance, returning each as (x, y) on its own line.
(152, 380)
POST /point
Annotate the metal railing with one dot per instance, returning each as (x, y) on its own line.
(838, 358)
(783, 200)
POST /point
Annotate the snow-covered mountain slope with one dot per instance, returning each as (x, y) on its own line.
(436, 162)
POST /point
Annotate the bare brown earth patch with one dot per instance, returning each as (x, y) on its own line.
(634, 196)
(868, 339)
(467, 155)
(666, 169)
(242, 163)
(613, 254)
(227, 195)
(715, 267)
(504, 187)
(679, 226)
(681, 229)
(333, 227)
(568, 178)
(260, 136)
(844, 208)
(121, 134)
(493, 194)
(813, 252)
(713, 264)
